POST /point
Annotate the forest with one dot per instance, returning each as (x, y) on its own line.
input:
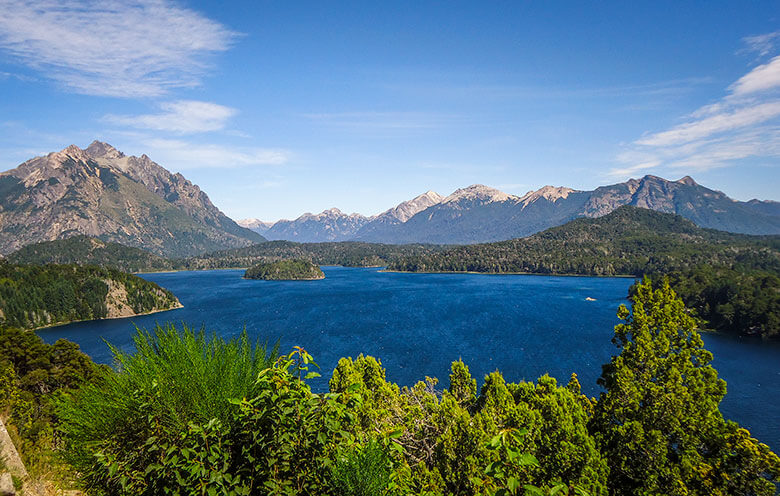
(251, 424)
(39, 295)
(285, 270)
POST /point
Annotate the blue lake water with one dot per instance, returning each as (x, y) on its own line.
(417, 324)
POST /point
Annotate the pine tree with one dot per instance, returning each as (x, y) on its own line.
(658, 423)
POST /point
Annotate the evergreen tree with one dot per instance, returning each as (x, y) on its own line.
(658, 423)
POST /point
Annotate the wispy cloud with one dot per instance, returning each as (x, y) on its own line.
(134, 48)
(762, 44)
(744, 123)
(183, 155)
(182, 117)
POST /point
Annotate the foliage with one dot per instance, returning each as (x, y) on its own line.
(171, 395)
(146, 429)
(290, 436)
(363, 471)
(442, 436)
(285, 270)
(658, 422)
(34, 296)
(85, 250)
(730, 299)
(32, 375)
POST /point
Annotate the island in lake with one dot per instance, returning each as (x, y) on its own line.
(285, 270)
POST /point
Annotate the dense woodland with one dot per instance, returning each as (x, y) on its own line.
(40, 295)
(285, 270)
(85, 250)
(250, 424)
(33, 375)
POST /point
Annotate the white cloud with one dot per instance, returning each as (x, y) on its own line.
(744, 123)
(724, 120)
(183, 155)
(134, 48)
(762, 78)
(182, 116)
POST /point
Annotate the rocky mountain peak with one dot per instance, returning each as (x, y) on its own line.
(406, 210)
(101, 192)
(71, 151)
(478, 192)
(99, 149)
(550, 193)
(687, 180)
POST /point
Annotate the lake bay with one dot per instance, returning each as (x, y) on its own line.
(417, 324)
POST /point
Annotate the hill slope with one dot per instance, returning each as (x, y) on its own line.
(628, 241)
(36, 296)
(84, 250)
(100, 192)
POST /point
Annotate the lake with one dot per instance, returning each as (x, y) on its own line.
(417, 324)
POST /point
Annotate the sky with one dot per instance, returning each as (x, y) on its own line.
(280, 108)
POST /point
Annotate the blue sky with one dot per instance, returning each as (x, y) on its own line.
(278, 108)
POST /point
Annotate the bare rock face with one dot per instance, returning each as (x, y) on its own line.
(7, 485)
(101, 192)
(329, 225)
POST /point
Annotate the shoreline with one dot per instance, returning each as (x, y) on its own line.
(619, 276)
(59, 324)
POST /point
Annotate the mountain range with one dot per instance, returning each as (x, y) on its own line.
(100, 192)
(478, 213)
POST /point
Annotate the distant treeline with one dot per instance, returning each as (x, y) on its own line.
(731, 300)
(86, 250)
(346, 253)
(33, 295)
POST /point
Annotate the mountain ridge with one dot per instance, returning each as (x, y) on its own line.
(100, 192)
(479, 213)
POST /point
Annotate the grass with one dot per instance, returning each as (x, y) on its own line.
(175, 377)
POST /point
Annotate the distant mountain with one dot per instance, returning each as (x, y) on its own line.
(330, 225)
(100, 192)
(256, 225)
(381, 227)
(479, 214)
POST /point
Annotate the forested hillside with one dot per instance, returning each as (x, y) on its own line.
(630, 241)
(85, 250)
(35, 296)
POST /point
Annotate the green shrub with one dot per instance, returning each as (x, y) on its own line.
(162, 400)
(363, 471)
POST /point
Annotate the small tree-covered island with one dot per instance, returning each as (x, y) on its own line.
(285, 270)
